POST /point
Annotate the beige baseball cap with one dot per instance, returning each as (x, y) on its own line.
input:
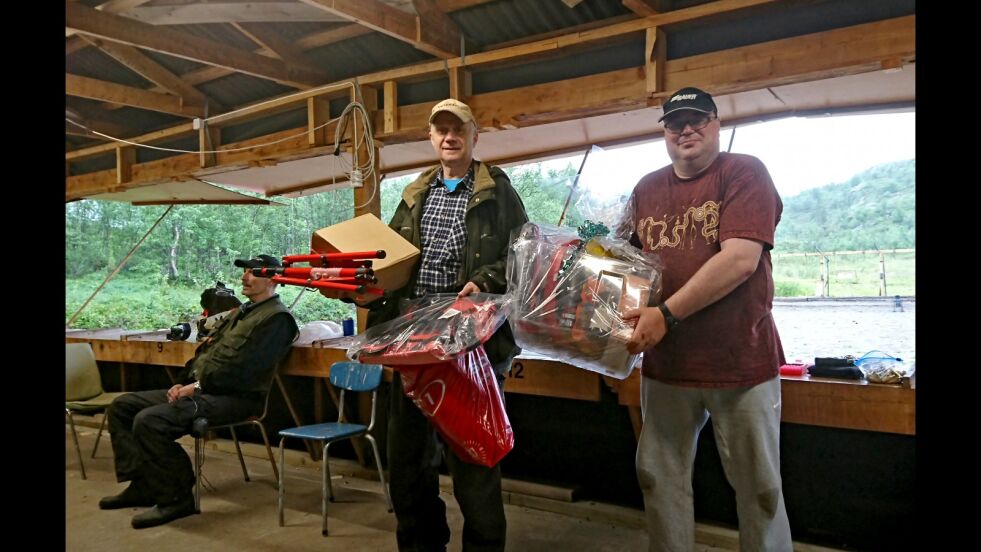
(456, 107)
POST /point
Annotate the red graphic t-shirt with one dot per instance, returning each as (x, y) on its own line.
(732, 342)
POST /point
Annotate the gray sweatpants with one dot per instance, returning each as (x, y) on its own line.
(746, 422)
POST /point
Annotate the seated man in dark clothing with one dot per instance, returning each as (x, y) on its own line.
(226, 381)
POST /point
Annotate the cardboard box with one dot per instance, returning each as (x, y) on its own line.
(368, 233)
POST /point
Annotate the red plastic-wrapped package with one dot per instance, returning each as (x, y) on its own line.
(432, 330)
(462, 399)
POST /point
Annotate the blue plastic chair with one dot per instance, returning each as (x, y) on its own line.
(346, 376)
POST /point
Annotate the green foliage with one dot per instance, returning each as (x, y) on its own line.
(873, 209)
(392, 195)
(136, 303)
(544, 193)
(851, 275)
(132, 303)
(784, 288)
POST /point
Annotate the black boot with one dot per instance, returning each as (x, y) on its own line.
(132, 497)
(165, 513)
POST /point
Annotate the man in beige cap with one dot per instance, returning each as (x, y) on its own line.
(460, 214)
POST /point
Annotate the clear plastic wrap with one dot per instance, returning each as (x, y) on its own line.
(433, 329)
(570, 295)
(462, 399)
(880, 367)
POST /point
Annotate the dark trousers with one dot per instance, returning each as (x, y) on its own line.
(414, 453)
(143, 428)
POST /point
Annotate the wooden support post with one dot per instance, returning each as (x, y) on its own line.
(209, 138)
(318, 113)
(122, 376)
(826, 263)
(369, 97)
(367, 198)
(125, 159)
(318, 403)
(882, 275)
(461, 84)
(391, 107)
(655, 62)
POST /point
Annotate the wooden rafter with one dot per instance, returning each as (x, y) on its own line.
(273, 42)
(433, 25)
(218, 11)
(513, 53)
(120, 6)
(309, 42)
(317, 39)
(113, 6)
(94, 89)
(180, 44)
(105, 127)
(305, 43)
(154, 72)
(393, 22)
(834, 53)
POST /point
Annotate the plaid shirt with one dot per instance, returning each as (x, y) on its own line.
(444, 235)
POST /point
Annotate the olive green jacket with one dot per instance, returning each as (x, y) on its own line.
(494, 211)
(240, 358)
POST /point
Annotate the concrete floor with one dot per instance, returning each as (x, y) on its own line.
(239, 515)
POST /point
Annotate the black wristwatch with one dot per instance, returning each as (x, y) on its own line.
(670, 321)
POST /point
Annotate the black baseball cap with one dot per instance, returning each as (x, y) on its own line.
(691, 98)
(259, 261)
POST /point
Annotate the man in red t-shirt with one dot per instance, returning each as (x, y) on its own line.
(711, 349)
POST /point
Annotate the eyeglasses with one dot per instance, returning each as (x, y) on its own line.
(696, 122)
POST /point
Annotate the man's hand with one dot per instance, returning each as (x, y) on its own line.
(468, 289)
(650, 329)
(178, 391)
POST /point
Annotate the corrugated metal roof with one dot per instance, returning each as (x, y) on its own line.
(127, 117)
(219, 32)
(364, 54)
(508, 20)
(484, 25)
(238, 89)
(175, 65)
(291, 32)
(96, 64)
(743, 27)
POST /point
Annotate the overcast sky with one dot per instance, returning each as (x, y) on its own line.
(800, 153)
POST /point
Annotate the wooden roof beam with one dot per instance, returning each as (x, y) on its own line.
(308, 42)
(94, 89)
(274, 43)
(229, 11)
(168, 41)
(826, 54)
(112, 6)
(393, 22)
(433, 26)
(105, 127)
(154, 72)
